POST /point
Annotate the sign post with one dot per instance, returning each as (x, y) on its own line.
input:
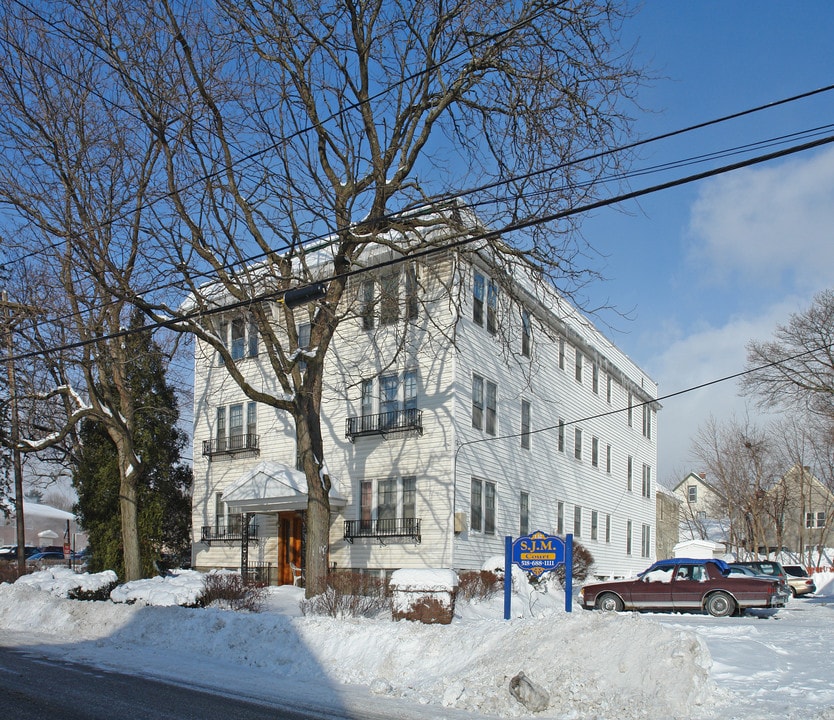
(538, 553)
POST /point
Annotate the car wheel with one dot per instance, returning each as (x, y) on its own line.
(720, 604)
(609, 602)
(794, 593)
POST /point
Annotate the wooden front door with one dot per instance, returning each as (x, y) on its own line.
(289, 545)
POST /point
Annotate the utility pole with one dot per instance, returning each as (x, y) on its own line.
(8, 312)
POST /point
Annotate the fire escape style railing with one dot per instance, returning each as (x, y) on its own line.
(228, 533)
(382, 529)
(232, 444)
(385, 424)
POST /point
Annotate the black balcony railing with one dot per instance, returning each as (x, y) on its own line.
(394, 421)
(232, 444)
(227, 533)
(382, 529)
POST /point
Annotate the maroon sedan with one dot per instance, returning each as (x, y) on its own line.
(686, 585)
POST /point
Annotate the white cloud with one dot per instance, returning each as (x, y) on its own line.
(769, 224)
(706, 355)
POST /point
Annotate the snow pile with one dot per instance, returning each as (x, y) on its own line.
(593, 665)
(60, 580)
(183, 587)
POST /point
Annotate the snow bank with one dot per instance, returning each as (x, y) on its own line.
(594, 665)
(60, 580)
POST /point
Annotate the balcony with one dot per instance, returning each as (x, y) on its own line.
(383, 529)
(232, 445)
(385, 424)
(227, 533)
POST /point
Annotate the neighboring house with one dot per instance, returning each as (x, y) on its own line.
(668, 522)
(445, 431)
(806, 509)
(699, 499)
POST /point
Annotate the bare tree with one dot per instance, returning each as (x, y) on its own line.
(290, 132)
(740, 460)
(74, 183)
(796, 368)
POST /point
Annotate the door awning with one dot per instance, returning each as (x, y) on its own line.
(271, 487)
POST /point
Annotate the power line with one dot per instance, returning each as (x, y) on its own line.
(171, 323)
(727, 152)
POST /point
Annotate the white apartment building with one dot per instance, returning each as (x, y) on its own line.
(460, 405)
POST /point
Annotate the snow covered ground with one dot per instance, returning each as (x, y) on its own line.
(593, 665)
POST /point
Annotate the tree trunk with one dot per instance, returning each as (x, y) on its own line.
(317, 542)
(128, 483)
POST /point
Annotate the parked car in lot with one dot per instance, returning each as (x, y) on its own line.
(686, 585)
(41, 559)
(768, 568)
(9, 552)
(799, 581)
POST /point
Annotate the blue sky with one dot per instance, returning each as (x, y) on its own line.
(705, 268)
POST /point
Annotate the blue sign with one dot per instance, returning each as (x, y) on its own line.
(538, 553)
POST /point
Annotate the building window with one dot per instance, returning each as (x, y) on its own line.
(594, 524)
(389, 400)
(577, 521)
(578, 366)
(367, 398)
(492, 307)
(303, 343)
(409, 497)
(477, 402)
(366, 505)
(390, 505)
(647, 422)
(482, 507)
(595, 451)
(238, 347)
(561, 353)
(478, 299)
(235, 424)
(560, 518)
(561, 435)
(489, 508)
(630, 474)
(595, 378)
(815, 519)
(412, 301)
(608, 528)
(647, 481)
(253, 337)
(525, 333)
(577, 444)
(630, 410)
(220, 429)
(389, 298)
(692, 493)
(367, 305)
(476, 504)
(608, 459)
(525, 424)
(386, 499)
(628, 538)
(524, 514)
(251, 419)
(646, 541)
(410, 390)
(223, 335)
(608, 384)
(491, 407)
(225, 521)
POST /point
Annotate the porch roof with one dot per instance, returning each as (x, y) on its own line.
(270, 487)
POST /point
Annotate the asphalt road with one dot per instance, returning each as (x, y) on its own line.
(35, 688)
